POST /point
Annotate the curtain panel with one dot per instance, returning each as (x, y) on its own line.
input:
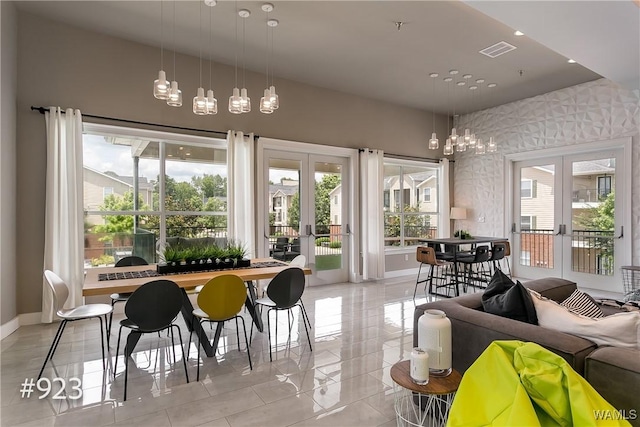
(371, 214)
(240, 197)
(64, 216)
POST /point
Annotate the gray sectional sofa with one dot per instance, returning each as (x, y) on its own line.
(613, 372)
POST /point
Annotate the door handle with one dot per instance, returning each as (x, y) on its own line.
(621, 232)
(559, 230)
(309, 230)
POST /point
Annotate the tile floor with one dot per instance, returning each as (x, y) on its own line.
(358, 332)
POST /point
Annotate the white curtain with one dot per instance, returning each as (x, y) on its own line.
(371, 215)
(240, 200)
(64, 224)
(445, 204)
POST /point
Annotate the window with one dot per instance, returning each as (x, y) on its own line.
(427, 194)
(406, 220)
(525, 258)
(604, 186)
(335, 200)
(387, 199)
(527, 222)
(277, 202)
(137, 216)
(526, 189)
(106, 191)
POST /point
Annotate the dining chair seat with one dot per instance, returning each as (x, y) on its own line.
(85, 311)
(266, 301)
(123, 296)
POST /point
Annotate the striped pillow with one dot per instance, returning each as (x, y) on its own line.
(580, 303)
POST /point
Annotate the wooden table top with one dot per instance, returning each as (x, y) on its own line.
(401, 374)
(92, 286)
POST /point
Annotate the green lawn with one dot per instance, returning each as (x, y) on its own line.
(328, 262)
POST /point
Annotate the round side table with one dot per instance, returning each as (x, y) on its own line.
(423, 405)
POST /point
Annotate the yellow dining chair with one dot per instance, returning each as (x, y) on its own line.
(222, 299)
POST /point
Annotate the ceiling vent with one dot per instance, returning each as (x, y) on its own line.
(497, 49)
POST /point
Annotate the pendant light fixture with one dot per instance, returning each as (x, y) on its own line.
(433, 142)
(245, 101)
(199, 101)
(212, 102)
(275, 100)
(492, 147)
(467, 131)
(472, 138)
(265, 101)
(461, 144)
(235, 106)
(448, 145)
(175, 94)
(161, 85)
(454, 135)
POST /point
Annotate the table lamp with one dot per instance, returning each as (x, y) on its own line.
(458, 213)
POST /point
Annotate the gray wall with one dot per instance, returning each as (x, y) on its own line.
(9, 82)
(101, 75)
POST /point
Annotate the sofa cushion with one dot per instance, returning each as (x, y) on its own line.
(618, 330)
(581, 303)
(507, 299)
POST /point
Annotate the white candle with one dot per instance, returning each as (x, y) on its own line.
(419, 366)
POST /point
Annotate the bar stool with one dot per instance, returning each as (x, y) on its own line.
(498, 249)
(507, 254)
(427, 255)
(476, 259)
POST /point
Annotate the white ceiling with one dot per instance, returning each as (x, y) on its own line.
(355, 46)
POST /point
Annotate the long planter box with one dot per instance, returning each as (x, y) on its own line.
(203, 266)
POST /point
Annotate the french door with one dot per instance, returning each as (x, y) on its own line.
(306, 211)
(569, 218)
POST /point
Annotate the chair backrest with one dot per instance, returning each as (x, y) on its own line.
(281, 243)
(154, 305)
(287, 287)
(58, 287)
(482, 254)
(222, 297)
(498, 250)
(299, 261)
(507, 250)
(129, 261)
(426, 255)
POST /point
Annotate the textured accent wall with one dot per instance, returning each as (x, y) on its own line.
(589, 112)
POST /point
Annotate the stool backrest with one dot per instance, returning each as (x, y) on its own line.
(222, 297)
(154, 305)
(426, 255)
(482, 254)
(497, 251)
(129, 261)
(287, 287)
(299, 261)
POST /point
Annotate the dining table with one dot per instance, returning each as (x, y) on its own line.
(109, 280)
(456, 243)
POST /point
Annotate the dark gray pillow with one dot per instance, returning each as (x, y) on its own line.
(507, 299)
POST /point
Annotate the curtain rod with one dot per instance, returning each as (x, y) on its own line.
(402, 157)
(42, 110)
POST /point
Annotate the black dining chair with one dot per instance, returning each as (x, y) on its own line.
(151, 308)
(474, 272)
(127, 261)
(280, 248)
(283, 293)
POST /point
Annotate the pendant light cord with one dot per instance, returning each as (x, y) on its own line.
(267, 49)
(243, 55)
(200, 41)
(236, 46)
(161, 37)
(174, 41)
(210, 48)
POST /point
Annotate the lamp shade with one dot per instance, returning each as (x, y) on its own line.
(458, 213)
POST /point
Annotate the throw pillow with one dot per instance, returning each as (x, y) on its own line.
(580, 303)
(507, 299)
(618, 330)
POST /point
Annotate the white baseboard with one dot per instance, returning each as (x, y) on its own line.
(30, 318)
(10, 327)
(400, 273)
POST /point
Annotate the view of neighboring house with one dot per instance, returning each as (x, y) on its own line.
(98, 185)
(335, 205)
(420, 191)
(280, 197)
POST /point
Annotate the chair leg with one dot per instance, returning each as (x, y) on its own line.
(115, 363)
(269, 332)
(104, 362)
(237, 334)
(308, 337)
(244, 328)
(198, 360)
(508, 267)
(415, 289)
(304, 311)
(54, 344)
(431, 267)
(173, 345)
(184, 359)
(113, 303)
(126, 370)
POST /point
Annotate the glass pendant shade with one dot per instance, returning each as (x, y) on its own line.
(467, 136)
(265, 102)
(448, 148)
(461, 146)
(200, 103)
(212, 103)
(472, 141)
(245, 101)
(175, 95)
(161, 86)
(433, 142)
(453, 136)
(480, 148)
(275, 103)
(235, 106)
(492, 146)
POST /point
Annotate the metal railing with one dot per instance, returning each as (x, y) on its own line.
(590, 195)
(538, 244)
(592, 252)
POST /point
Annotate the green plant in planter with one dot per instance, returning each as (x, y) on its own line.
(191, 254)
(171, 254)
(462, 234)
(235, 250)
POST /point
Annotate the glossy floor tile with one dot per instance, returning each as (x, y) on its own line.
(358, 332)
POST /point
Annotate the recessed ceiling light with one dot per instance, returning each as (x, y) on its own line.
(518, 33)
(448, 79)
(492, 85)
(571, 61)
